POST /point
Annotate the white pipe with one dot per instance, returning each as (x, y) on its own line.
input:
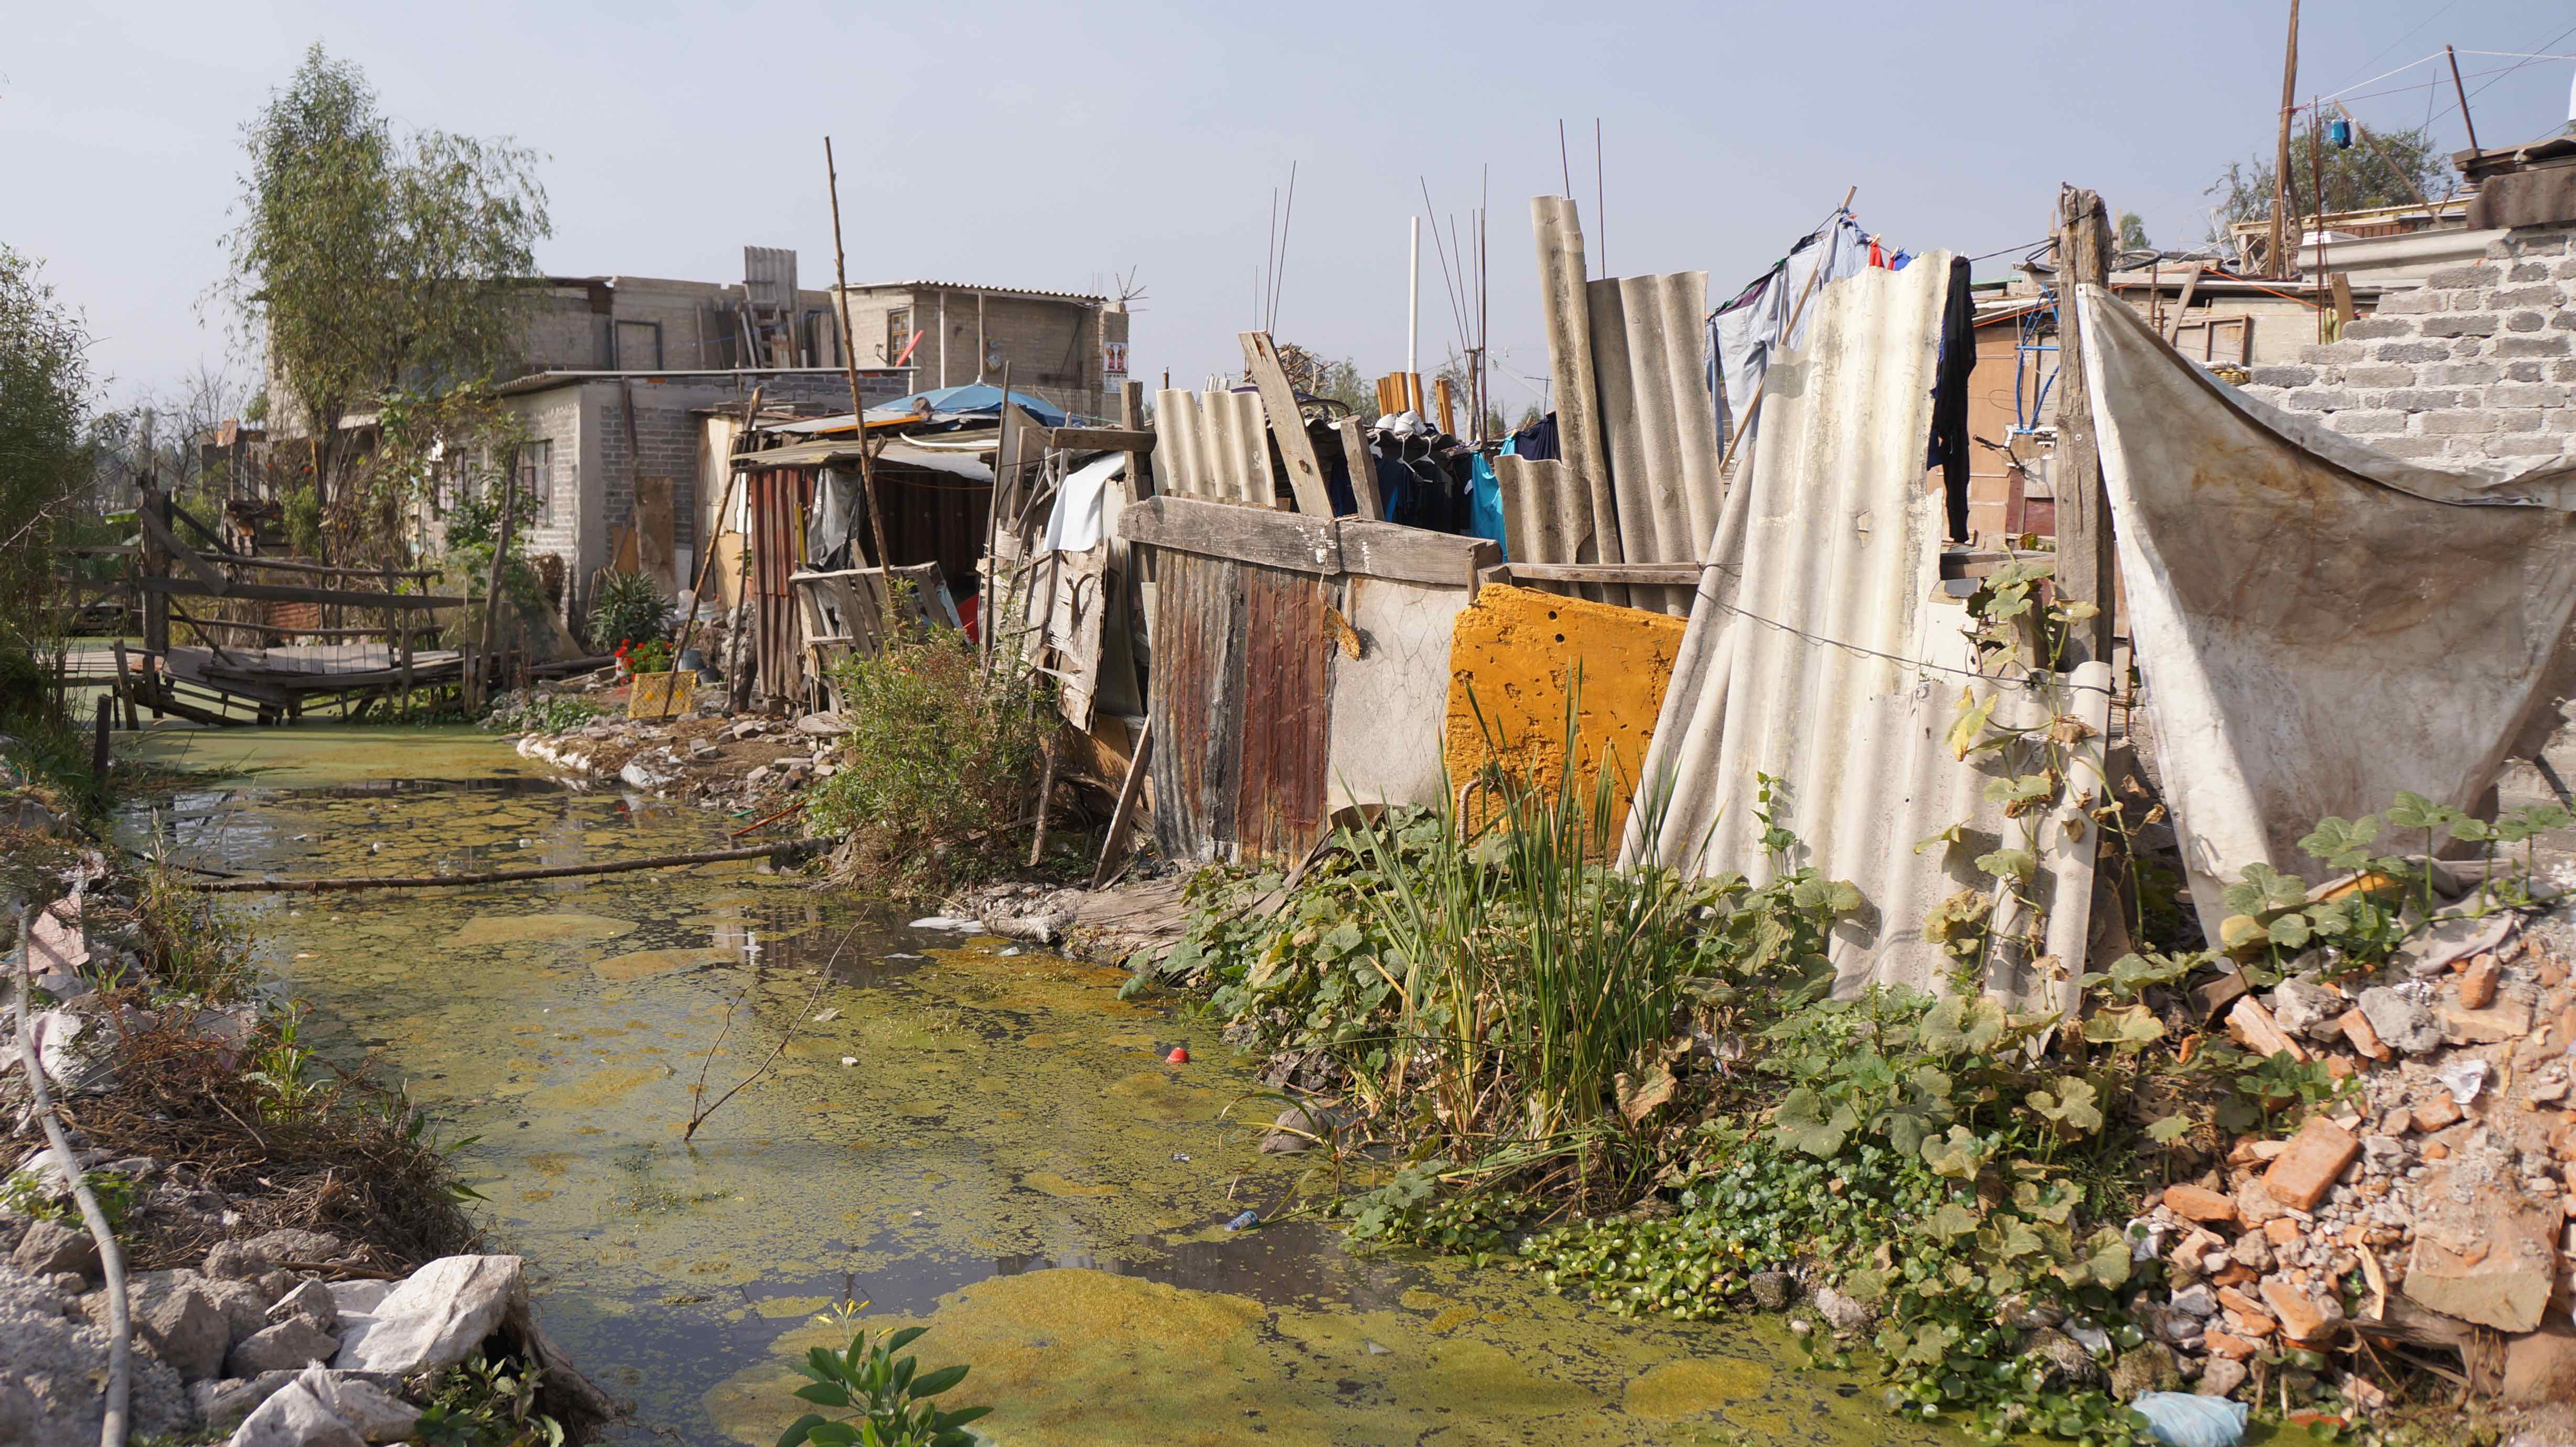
(1413, 301)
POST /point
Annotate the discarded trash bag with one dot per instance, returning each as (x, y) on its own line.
(2180, 1419)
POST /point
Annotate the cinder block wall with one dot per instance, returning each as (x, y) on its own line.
(2472, 370)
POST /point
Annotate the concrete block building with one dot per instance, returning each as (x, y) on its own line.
(1064, 349)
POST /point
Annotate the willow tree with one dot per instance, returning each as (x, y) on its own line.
(372, 263)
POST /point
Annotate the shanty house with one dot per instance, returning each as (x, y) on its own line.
(1068, 349)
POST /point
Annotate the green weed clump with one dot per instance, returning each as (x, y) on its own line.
(628, 609)
(938, 777)
(887, 1399)
(531, 713)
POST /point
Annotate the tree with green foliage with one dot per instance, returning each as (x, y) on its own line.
(370, 262)
(2400, 169)
(44, 458)
(2133, 233)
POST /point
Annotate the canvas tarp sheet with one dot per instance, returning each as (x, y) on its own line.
(1822, 651)
(2319, 624)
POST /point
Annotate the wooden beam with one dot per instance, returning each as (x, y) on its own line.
(1416, 555)
(2084, 567)
(1237, 531)
(1287, 424)
(1363, 467)
(198, 526)
(216, 584)
(1113, 845)
(1099, 439)
(2190, 284)
(1669, 575)
(287, 593)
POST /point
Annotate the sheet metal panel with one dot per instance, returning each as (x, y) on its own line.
(779, 498)
(1194, 705)
(1821, 651)
(2320, 624)
(1287, 703)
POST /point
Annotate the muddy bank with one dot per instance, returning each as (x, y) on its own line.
(982, 1138)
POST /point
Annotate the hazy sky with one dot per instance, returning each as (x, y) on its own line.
(1050, 147)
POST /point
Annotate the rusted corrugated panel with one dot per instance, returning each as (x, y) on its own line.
(1658, 424)
(1821, 651)
(1287, 704)
(1196, 704)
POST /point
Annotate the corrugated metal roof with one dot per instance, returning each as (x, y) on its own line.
(1823, 651)
(969, 287)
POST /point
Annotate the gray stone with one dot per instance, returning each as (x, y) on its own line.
(2521, 419)
(2382, 375)
(358, 1296)
(2221, 1377)
(1845, 1315)
(1299, 1127)
(2063, 1357)
(27, 1295)
(2331, 353)
(2540, 346)
(50, 1247)
(47, 1370)
(2526, 444)
(2304, 1007)
(2420, 399)
(2318, 399)
(312, 1301)
(187, 1329)
(294, 1417)
(1773, 1290)
(2372, 328)
(2524, 321)
(2284, 376)
(233, 1261)
(2411, 352)
(2461, 374)
(2527, 394)
(221, 1405)
(2365, 423)
(2474, 275)
(371, 1411)
(291, 1343)
(2146, 1367)
(2401, 1023)
(245, 1305)
(2200, 1300)
(436, 1318)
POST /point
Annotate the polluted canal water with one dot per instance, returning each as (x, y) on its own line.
(963, 1135)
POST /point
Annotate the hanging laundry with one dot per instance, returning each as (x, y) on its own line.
(1745, 333)
(1537, 441)
(1485, 501)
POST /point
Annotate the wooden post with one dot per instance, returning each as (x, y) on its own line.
(492, 595)
(1287, 424)
(2280, 257)
(125, 687)
(2083, 510)
(98, 749)
(850, 364)
(156, 564)
(1002, 487)
(1113, 847)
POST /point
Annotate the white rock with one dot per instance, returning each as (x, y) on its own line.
(435, 1318)
(294, 1417)
(356, 1297)
(370, 1410)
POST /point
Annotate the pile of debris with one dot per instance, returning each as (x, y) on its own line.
(750, 762)
(2443, 1177)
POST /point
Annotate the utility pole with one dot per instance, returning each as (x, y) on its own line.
(850, 365)
(2084, 566)
(2280, 257)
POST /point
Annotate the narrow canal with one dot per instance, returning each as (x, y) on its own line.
(965, 1136)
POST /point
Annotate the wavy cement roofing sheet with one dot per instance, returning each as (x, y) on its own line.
(1821, 651)
(1213, 445)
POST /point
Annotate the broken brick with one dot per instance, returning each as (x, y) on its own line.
(2356, 1028)
(2317, 1155)
(2195, 1203)
(2234, 1348)
(2281, 1230)
(2478, 983)
(2302, 1318)
(2437, 1113)
(2256, 1030)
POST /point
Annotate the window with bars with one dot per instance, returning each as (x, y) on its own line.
(537, 479)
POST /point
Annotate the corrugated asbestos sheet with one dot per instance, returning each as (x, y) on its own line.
(1822, 651)
(2320, 624)
(1213, 445)
(1639, 479)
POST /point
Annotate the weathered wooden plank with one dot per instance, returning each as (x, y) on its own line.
(1100, 439)
(215, 584)
(1355, 456)
(1229, 530)
(1677, 575)
(1287, 424)
(286, 593)
(1413, 555)
(1192, 713)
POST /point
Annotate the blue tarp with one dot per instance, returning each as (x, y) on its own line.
(974, 399)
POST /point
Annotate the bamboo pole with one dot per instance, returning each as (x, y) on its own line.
(500, 876)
